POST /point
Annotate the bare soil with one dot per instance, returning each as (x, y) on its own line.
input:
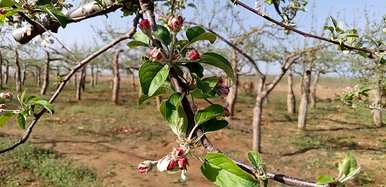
(113, 139)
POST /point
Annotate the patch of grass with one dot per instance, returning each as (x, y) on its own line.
(307, 142)
(28, 164)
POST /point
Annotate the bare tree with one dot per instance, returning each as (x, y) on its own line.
(116, 77)
(46, 77)
(305, 97)
(17, 72)
(291, 99)
(233, 91)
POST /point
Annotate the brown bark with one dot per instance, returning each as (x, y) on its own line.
(17, 72)
(92, 70)
(6, 76)
(291, 99)
(23, 75)
(314, 85)
(38, 76)
(377, 100)
(96, 75)
(304, 102)
(83, 76)
(233, 91)
(257, 116)
(79, 86)
(46, 78)
(116, 78)
(1, 70)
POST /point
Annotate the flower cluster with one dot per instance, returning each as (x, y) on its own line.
(193, 55)
(5, 95)
(2, 11)
(176, 160)
(222, 88)
(175, 23)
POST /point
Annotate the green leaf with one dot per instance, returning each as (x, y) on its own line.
(195, 68)
(382, 60)
(21, 120)
(5, 117)
(348, 168)
(347, 165)
(163, 89)
(208, 113)
(6, 3)
(208, 36)
(58, 15)
(45, 104)
(205, 88)
(193, 32)
(255, 160)
(163, 34)
(213, 125)
(174, 113)
(135, 44)
(152, 76)
(219, 61)
(159, 80)
(225, 173)
(197, 33)
(141, 37)
(325, 179)
(43, 2)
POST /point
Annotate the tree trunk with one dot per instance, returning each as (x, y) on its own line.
(257, 116)
(233, 91)
(46, 79)
(24, 75)
(96, 75)
(1, 70)
(92, 69)
(75, 79)
(83, 76)
(303, 108)
(17, 72)
(6, 72)
(291, 99)
(116, 78)
(314, 86)
(79, 86)
(39, 76)
(377, 102)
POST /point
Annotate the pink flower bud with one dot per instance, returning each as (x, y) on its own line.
(144, 25)
(220, 82)
(3, 106)
(166, 163)
(179, 152)
(227, 113)
(6, 95)
(223, 91)
(2, 11)
(156, 54)
(193, 55)
(182, 163)
(144, 167)
(175, 23)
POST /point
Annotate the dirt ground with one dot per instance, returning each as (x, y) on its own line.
(114, 139)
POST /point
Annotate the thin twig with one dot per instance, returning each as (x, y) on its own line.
(371, 52)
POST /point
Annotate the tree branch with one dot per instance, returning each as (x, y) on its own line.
(79, 65)
(371, 52)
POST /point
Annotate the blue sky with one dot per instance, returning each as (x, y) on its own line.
(351, 11)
